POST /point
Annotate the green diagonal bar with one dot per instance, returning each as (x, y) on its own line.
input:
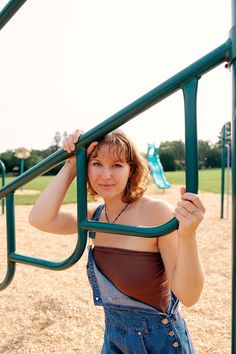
(200, 67)
(9, 11)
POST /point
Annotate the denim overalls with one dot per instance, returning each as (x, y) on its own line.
(132, 327)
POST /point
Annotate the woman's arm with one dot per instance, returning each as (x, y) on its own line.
(46, 214)
(179, 251)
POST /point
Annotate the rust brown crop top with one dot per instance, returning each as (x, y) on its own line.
(139, 275)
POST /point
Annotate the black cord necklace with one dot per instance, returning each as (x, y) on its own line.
(117, 215)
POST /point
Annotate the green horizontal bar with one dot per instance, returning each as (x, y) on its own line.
(41, 263)
(147, 232)
(46, 264)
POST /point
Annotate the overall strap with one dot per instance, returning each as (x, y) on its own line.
(95, 217)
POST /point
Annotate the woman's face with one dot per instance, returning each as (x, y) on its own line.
(108, 173)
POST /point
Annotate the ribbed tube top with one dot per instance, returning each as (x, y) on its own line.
(139, 275)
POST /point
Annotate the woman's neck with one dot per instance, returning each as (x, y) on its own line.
(112, 215)
(113, 206)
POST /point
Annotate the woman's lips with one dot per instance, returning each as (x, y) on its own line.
(106, 186)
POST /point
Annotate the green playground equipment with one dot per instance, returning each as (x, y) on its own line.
(3, 168)
(187, 81)
(225, 162)
(157, 170)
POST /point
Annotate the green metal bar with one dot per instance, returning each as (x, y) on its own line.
(200, 67)
(223, 139)
(22, 167)
(3, 181)
(10, 241)
(191, 142)
(9, 11)
(232, 58)
(130, 230)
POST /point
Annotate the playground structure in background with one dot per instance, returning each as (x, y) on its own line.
(187, 81)
(157, 170)
(225, 162)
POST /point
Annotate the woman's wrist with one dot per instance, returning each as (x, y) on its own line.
(188, 237)
(71, 167)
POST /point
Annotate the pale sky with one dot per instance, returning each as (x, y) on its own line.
(71, 64)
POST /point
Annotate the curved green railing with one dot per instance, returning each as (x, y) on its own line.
(3, 168)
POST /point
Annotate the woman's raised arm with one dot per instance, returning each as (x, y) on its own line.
(46, 214)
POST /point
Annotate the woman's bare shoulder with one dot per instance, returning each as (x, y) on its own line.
(155, 207)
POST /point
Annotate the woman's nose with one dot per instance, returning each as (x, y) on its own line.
(106, 172)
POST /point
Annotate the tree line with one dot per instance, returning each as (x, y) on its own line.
(171, 153)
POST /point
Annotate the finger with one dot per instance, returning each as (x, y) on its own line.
(71, 143)
(182, 211)
(91, 147)
(190, 207)
(182, 190)
(179, 217)
(66, 145)
(194, 198)
(77, 134)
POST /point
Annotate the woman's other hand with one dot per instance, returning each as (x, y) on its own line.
(189, 212)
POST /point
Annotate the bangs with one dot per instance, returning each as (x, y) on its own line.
(118, 151)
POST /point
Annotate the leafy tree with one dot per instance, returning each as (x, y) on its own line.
(213, 159)
(204, 149)
(172, 155)
(32, 160)
(9, 160)
(227, 134)
(167, 160)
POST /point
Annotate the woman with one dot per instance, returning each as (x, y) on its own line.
(138, 281)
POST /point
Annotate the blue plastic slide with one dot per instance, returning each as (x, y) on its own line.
(156, 167)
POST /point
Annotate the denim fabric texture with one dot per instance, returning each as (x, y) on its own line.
(132, 327)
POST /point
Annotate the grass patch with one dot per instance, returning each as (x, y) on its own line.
(209, 181)
(39, 184)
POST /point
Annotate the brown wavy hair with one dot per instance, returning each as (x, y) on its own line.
(125, 150)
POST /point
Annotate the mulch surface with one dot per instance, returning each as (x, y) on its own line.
(46, 311)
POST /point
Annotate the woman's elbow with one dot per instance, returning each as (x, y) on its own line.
(192, 298)
(34, 220)
(190, 302)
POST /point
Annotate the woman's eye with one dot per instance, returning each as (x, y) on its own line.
(97, 164)
(117, 165)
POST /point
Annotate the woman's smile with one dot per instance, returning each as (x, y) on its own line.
(106, 185)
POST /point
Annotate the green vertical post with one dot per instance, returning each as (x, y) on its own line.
(22, 163)
(191, 142)
(11, 243)
(3, 168)
(233, 66)
(223, 148)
